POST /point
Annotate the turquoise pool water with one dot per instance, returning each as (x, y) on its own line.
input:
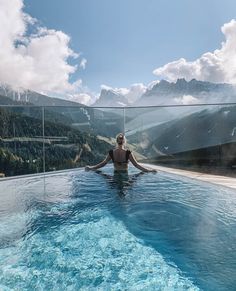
(94, 231)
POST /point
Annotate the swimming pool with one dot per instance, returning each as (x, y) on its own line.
(82, 230)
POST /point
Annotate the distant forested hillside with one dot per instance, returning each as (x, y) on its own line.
(22, 143)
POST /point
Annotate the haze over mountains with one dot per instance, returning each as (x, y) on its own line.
(180, 92)
(183, 92)
(161, 93)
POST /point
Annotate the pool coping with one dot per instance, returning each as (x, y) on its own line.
(209, 178)
(214, 179)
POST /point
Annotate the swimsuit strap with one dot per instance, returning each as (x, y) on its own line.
(111, 155)
(128, 152)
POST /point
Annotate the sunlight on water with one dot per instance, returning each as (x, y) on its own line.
(136, 232)
(96, 253)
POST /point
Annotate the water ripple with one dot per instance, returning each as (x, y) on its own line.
(102, 231)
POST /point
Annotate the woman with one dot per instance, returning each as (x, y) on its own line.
(120, 158)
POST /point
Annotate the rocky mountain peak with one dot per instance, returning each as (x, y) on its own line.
(109, 97)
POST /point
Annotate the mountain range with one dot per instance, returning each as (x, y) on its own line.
(33, 98)
(110, 98)
(174, 93)
(162, 93)
(166, 92)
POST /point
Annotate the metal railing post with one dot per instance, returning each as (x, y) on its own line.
(124, 120)
(43, 111)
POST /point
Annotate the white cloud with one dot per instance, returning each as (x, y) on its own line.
(84, 98)
(217, 66)
(39, 61)
(135, 92)
(131, 94)
(152, 84)
(186, 100)
(121, 91)
(83, 63)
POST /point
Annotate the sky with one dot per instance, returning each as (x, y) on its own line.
(74, 48)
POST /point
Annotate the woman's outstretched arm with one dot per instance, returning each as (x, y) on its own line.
(138, 166)
(100, 165)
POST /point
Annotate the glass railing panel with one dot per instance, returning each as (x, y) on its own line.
(21, 140)
(36, 139)
(77, 136)
(194, 137)
(108, 122)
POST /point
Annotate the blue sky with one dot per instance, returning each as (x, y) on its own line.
(125, 40)
(122, 41)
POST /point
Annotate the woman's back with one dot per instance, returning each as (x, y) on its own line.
(120, 158)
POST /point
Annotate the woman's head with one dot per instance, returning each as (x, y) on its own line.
(120, 139)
